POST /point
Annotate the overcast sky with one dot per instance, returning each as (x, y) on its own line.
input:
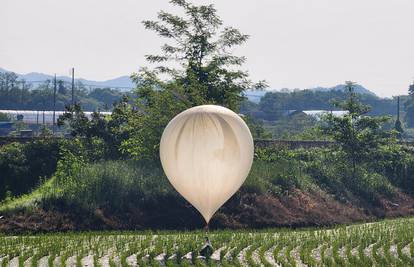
(293, 44)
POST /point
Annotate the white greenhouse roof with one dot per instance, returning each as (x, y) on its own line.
(319, 113)
(38, 116)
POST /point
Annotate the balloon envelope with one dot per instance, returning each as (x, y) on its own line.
(206, 153)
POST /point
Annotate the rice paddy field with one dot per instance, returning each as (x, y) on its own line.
(385, 243)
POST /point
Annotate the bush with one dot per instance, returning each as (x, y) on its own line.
(277, 171)
(398, 165)
(112, 185)
(23, 166)
(115, 185)
(277, 177)
(330, 171)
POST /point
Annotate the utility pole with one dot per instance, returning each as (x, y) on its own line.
(73, 86)
(37, 123)
(398, 109)
(21, 95)
(54, 105)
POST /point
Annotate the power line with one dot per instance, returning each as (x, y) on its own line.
(73, 86)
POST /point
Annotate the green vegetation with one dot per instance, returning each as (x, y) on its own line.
(386, 243)
(207, 73)
(4, 117)
(274, 104)
(279, 112)
(357, 135)
(295, 127)
(122, 186)
(409, 107)
(25, 166)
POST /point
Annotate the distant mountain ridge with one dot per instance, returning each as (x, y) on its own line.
(119, 82)
(125, 82)
(341, 87)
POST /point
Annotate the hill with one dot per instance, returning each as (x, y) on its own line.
(341, 87)
(124, 82)
(255, 96)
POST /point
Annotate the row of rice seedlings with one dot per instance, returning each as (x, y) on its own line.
(338, 247)
(263, 249)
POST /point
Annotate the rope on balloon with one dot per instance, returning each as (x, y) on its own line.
(207, 249)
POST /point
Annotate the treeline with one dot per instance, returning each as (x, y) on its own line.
(17, 94)
(274, 105)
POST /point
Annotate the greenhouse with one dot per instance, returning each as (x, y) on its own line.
(38, 116)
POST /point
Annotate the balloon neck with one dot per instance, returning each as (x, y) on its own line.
(206, 228)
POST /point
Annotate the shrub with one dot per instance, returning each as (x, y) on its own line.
(277, 171)
(23, 166)
(109, 184)
(331, 172)
(397, 165)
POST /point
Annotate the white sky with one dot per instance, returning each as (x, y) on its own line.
(294, 43)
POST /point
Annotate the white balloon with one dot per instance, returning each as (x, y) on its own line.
(206, 153)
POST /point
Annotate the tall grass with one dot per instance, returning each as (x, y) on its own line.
(111, 184)
(118, 184)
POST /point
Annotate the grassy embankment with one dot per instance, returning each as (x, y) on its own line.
(284, 188)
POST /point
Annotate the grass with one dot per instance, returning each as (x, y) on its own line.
(29, 200)
(390, 242)
(115, 184)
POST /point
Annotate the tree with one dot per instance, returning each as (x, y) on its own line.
(4, 117)
(409, 107)
(61, 87)
(357, 135)
(398, 125)
(198, 44)
(257, 128)
(9, 88)
(106, 96)
(195, 67)
(109, 130)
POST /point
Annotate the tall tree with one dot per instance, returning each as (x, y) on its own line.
(199, 48)
(195, 67)
(357, 135)
(110, 130)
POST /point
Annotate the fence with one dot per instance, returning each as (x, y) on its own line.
(259, 143)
